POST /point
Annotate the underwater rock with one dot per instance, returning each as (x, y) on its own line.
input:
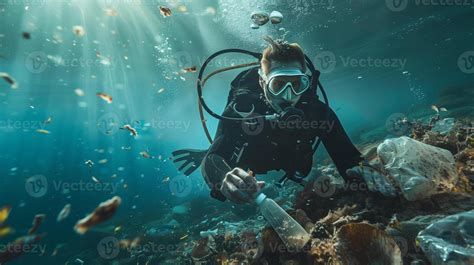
(449, 240)
(260, 18)
(276, 17)
(420, 170)
(361, 243)
(444, 126)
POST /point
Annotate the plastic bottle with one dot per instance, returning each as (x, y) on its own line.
(291, 232)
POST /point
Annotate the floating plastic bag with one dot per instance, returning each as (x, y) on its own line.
(444, 126)
(417, 168)
(449, 240)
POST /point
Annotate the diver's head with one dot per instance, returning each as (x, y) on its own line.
(282, 74)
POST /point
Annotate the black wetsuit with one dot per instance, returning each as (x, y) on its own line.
(270, 145)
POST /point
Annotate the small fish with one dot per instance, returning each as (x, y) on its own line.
(183, 237)
(117, 229)
(443, 109)
(166, 180)
(165, 12)
(89, 163)
(42, 131)
(129, 128)
(95, 179)
(105, 97)
(9, 80)
(435, 108)
(190, 69)
(5, 231)
(64, 213)
(4, 213)
(145, 154)
(48, 120)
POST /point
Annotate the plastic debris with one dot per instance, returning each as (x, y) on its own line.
(444, 126)
(79, 92)
(260, 18)
(417, 168)
(208, 233)
(165, 12)
(129, 128)
(42, 131)
(13, 84)
(192, 69)
(26, 35)
(79, 31)
(449, 240)
(276, 17)
(64, 213)
(290, 232)
(37, 221)
(102, 213)
(254, 26)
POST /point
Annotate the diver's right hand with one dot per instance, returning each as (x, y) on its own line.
(240, 187)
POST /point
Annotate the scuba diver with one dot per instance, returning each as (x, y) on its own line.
(273, 120)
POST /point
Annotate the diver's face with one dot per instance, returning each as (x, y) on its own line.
(284, 85)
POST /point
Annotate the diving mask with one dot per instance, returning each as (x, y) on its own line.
(281, 79)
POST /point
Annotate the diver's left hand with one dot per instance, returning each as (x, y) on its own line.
(376, 182)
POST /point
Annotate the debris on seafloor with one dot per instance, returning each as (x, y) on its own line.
(64, 213)
(9, 79)
(129, 128)
(107, 98)
(418, 169)
(37, 221)
(165, 12)
(449, 240)
(102, 213)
